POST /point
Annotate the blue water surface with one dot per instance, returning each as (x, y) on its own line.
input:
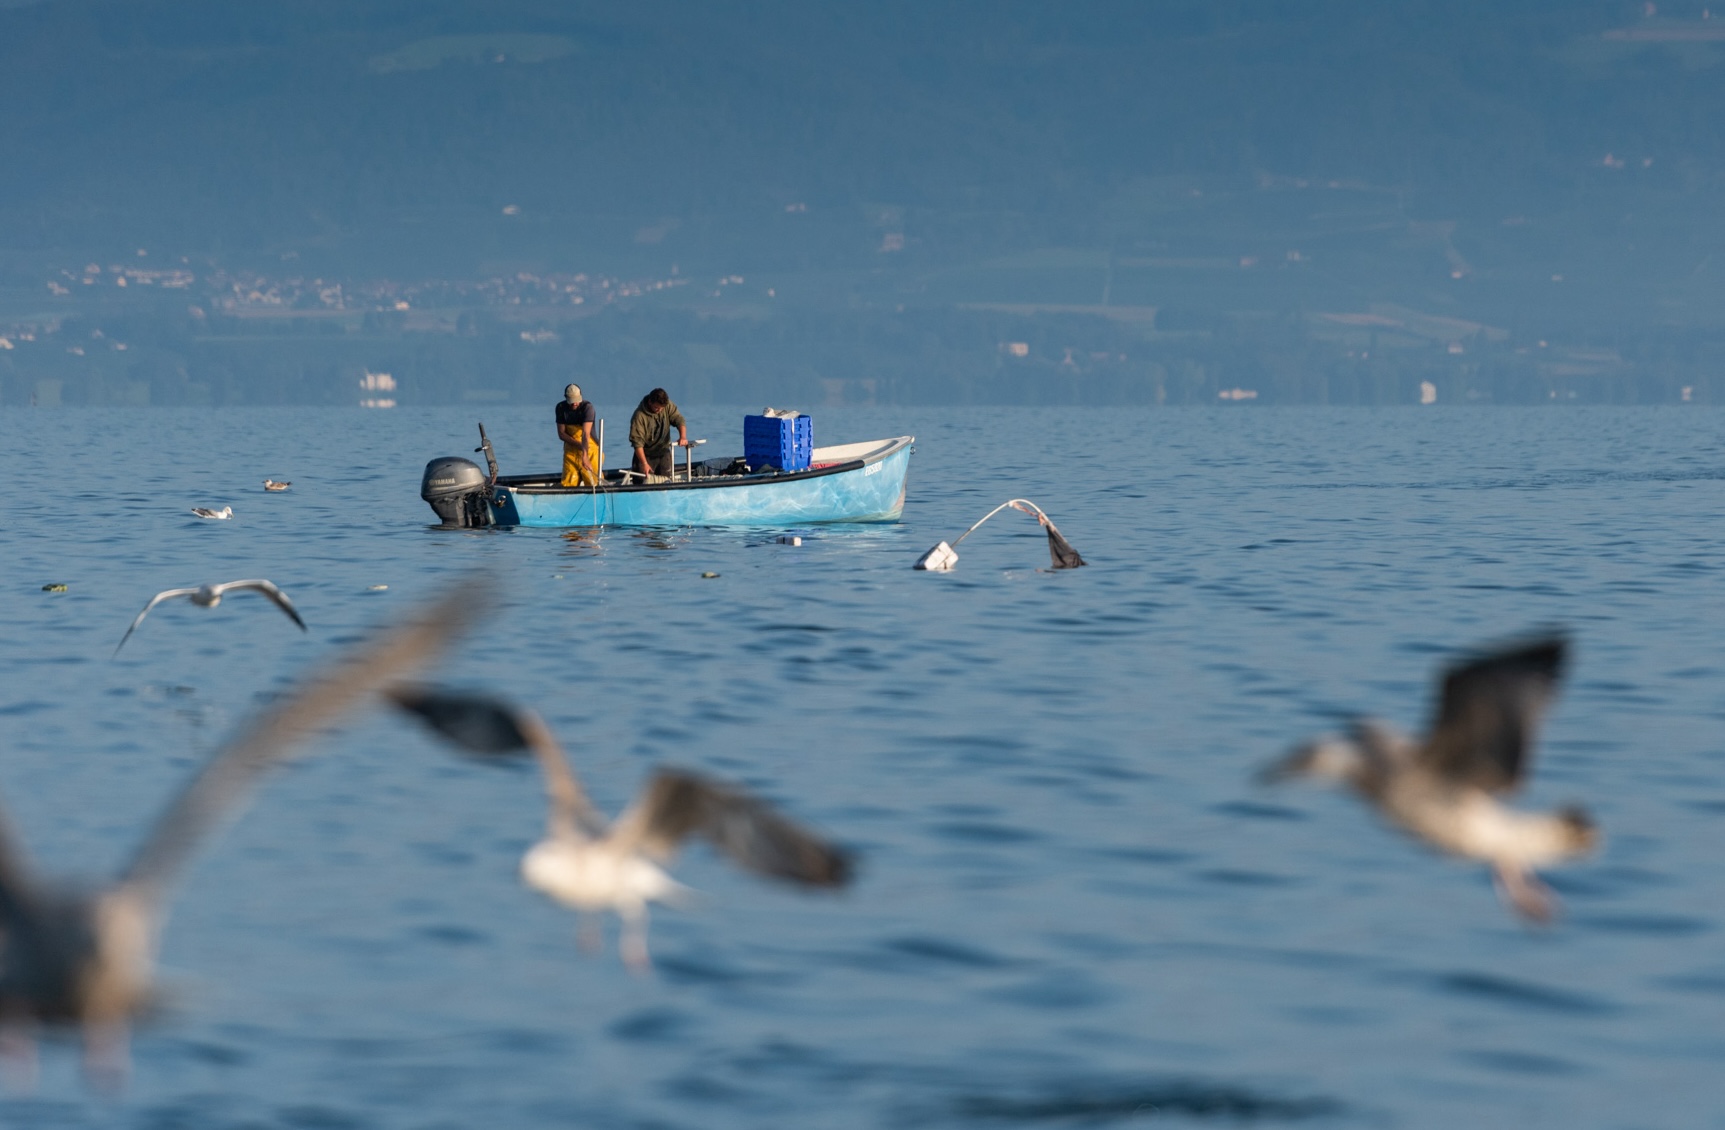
(1075, 908)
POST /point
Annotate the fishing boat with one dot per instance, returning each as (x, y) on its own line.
(853, 482)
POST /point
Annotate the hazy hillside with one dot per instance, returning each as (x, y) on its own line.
(223, 125)
(1161, 201)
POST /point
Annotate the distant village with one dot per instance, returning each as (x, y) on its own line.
(136, 333)
(251, 293)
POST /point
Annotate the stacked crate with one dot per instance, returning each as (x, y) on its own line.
(784, 444)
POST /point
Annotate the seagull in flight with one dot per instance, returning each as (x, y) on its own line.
(1445, 789)
(208, 596)
(223, 514)
(85, 958)
(590, 864)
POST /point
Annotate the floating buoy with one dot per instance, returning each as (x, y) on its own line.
(790, 539)
(939, 559)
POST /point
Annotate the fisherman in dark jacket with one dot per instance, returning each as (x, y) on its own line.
(650, 433)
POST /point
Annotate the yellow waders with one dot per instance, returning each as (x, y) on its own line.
(579, 472)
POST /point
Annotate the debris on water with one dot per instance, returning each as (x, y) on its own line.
(790, 539)
(56, 587)
(708, 576)
(376, 588)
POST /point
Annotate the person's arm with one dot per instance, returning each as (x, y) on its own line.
(587, 433)
(639, 442)
(682, 435)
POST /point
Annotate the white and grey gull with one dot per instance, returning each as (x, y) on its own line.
(85, 957)
(591, 864)
(1445, 789)
(221, 515)
(209, 596)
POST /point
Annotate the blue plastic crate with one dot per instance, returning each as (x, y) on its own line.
(772, 441)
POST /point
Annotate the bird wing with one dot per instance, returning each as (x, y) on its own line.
(269, 589)
(215, 794)
(1489, 713)
(168, 594)
(678, 805)
(486, 725)
(15, 882)
(474, 723)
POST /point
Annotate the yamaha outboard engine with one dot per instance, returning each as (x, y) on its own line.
(458, 490)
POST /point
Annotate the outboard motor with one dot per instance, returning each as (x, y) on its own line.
(458, 490)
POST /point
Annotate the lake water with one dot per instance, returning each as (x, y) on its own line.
(1075, 908)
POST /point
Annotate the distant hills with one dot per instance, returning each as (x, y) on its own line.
(1544, 170)
(211, 125)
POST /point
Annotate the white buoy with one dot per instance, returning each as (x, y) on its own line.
(939, 559)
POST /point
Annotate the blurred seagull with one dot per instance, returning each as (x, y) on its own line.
(1445, 789)
(271, 484)
(84, 957)
(591, 865)
(208, 596)
(223, 514)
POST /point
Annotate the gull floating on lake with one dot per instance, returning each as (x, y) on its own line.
(69, 955)
(590, 864)
(208, 596)
(223, 514)
(1445, 789)
(271, 484)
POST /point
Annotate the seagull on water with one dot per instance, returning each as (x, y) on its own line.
(590, 864)
(271, 484)
(1445, 789)
(223, 514)
(208, 596)
(85, 958)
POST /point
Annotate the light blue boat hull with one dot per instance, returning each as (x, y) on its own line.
(870, 489)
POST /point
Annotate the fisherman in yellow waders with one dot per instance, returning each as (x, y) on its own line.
(582, 458)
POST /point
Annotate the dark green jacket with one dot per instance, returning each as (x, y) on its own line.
(652, 431)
